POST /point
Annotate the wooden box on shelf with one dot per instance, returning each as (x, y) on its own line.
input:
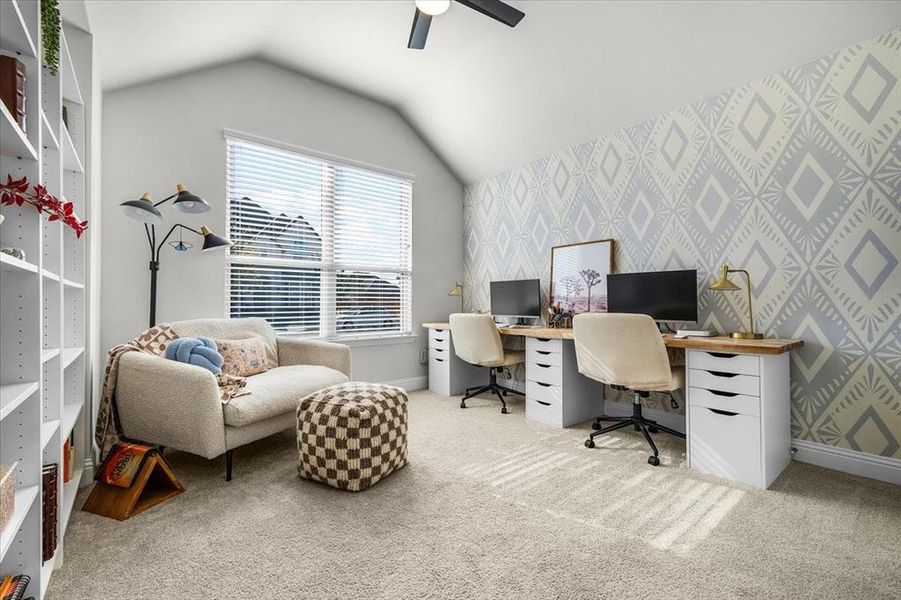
(12, 88)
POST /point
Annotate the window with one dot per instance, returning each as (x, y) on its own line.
(320, 248)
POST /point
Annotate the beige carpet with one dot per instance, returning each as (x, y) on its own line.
(493, 506)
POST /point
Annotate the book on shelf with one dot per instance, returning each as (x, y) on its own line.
(12, 587)
(49, 510)
(68, 459)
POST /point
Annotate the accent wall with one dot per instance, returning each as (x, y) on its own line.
(795, 177)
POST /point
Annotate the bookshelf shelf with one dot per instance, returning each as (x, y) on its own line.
(71, 161)
(71, 413)
(13, 30)
(13, 141)
(49, 141)
(71, 354)
(24, 499)
(48, 428)
(11, 264)
(44, 325)
(70, 490)
(14, 394)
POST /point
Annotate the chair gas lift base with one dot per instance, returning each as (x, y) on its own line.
(637, 421)
(494, 387)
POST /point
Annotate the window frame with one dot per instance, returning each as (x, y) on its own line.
(327, 297)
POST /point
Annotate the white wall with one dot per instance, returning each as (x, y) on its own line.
(167, 132)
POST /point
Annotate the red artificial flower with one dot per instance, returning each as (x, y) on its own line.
(15, 191)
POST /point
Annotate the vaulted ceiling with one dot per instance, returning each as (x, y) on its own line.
(484, 96)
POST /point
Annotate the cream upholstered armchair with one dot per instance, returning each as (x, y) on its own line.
(477, 341)
(177, 405)
(626, 352)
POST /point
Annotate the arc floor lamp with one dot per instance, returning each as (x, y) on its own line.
(145, 210)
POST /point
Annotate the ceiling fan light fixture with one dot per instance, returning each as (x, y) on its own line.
(433, 7)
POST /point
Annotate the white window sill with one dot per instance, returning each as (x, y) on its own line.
(388, 340)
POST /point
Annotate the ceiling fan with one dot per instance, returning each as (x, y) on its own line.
(426, 9)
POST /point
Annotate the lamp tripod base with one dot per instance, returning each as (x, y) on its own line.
(745, 335)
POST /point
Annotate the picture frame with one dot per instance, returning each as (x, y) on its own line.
(579, 277)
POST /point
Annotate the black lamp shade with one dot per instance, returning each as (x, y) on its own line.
(142, 210)
(187, 202)
(211, 241)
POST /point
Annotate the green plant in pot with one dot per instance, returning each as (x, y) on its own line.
(50, 25)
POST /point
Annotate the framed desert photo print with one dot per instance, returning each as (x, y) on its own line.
(579, 276)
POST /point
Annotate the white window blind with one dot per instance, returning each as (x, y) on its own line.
(319, 248)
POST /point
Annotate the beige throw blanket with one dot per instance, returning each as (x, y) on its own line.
(152, 341)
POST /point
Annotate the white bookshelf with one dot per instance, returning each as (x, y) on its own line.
(44, 382)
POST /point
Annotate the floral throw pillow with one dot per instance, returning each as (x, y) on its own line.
(242, 358)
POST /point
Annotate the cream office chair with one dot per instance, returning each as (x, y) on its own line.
(477, 341)
(626, 352)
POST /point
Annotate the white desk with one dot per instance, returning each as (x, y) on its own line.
(738, 421)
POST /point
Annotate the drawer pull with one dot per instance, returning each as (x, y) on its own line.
(543, 384)
(440, 359)
(725, 413)
(542, 366)
(439, 339)
(543, 352)
(727, 394)
(722, 354)
(438, 330)
(543, 403)
(723, 374)
(543, 339)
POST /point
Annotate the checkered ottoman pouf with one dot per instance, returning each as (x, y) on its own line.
(351, 435)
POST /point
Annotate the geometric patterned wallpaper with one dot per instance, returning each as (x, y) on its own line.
(795, 177)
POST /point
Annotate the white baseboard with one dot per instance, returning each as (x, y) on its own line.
(667, 419)
(410, 383)
(853, 462)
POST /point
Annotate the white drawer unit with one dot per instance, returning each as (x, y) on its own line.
(545, 373)
(725, 443)
(546, 344)
(747, 364)
(723, 381)
(738, 415)
(545, 392)
(448, 374)
(729, 401)
(439, 338)
(545, 357)
(556, 393)
(549, 413)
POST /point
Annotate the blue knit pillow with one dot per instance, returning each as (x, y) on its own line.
(200, 352)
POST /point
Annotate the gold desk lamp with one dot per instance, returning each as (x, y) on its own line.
(724, 284)
(457, 290)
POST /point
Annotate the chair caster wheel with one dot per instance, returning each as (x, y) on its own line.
(505, 392)
(462, 405)
(653, 429)
(589, 443)
(653, 460)
(595, 425)
(504, 410)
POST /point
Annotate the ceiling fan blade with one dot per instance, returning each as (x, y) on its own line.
(497, 10)
(420, 30)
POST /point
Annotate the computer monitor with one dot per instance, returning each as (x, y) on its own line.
(664, 295)
(520, 298)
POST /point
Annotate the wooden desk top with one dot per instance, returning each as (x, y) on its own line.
(719, 343)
